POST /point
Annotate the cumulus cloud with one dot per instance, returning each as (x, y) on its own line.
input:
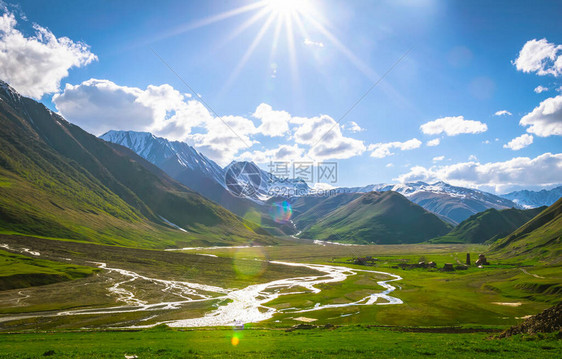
(324, 136)
(224, 137)
(381, 150)
(540, 57)
(546, 119)
(540, 89)
(545, 169)
(101, 105)
(519, 142)
(453, 126)
(502, 113)
(283, 153)
(273, 123)
(35, 65)
(434, 142)
(353, 127)
(438, 158)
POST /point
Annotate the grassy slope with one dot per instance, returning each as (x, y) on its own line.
(308, 210)
(18, 271)
(540, 238)
(381, 218)
(488, 226)
(351, 342)
(57, 180)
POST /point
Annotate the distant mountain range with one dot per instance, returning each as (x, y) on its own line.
(193, 169)
(57, 180)
(377, 217)
(488, 226)
(454, 204)
(532, 199)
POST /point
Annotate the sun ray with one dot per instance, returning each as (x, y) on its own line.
(295, 78)
(234, 75)
(240, 29)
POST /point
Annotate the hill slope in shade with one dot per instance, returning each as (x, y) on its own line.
(57, 180)
(378, 217)
(451, 202)
(532, 199)
(540, 238)
(488, 226)
(201, 174)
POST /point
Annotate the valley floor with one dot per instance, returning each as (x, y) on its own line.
(377, 308)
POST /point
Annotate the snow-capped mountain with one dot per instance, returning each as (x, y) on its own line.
(195, 170)
(164, 153)
(533, 199)
(268, 185)
(454, 203)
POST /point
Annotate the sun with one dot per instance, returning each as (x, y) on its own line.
(287, 7)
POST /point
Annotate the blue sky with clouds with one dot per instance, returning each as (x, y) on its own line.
(282, 74)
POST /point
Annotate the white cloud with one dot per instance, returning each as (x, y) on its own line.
(546, 119)
(502, 113)
(324, 136)
(101, 105)
(472, 158)
(353, 127)
(224, 138)
(388, 165)
(540, 89)
(453, 126)
(273, 123)
(381, 150)
(283, 153)
(434, 142)
(519, 142)
(542, 170)
(309, 42)
(36, 64)
(438, 158)
(541, 57)
(486, 142)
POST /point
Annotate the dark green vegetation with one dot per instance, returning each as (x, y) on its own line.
(57, 180)
(18, 271)
(347, 342)
(489, 226)
(540, 238)
(378, 217)
(309, 209)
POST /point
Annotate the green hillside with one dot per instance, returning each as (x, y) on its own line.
(57, 180)
(309, 209)
(538, 239)
(488, 226)
(378, 217)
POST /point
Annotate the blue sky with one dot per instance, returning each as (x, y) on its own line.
(466, 58)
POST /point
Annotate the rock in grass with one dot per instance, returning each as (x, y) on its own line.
(550, 320)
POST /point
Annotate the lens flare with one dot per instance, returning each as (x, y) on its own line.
(235, 340)
(249, 262)
(281, 212)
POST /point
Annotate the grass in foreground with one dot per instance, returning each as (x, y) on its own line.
(350, 342)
